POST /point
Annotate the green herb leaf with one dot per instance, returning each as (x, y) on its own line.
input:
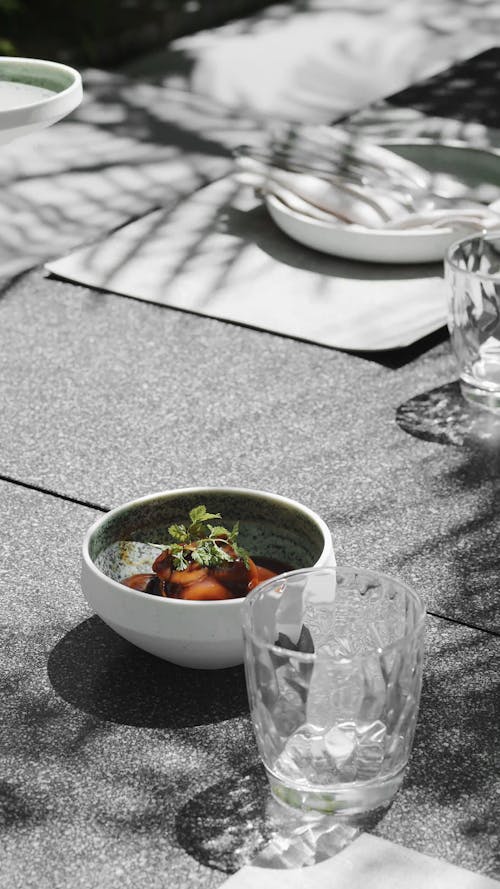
(221, 554)
(203, 543)
(178, 532)
(242, 553)
(197, 529)
(202, 555)
(179, 560)
(200, 514)
(218, 531)
(210, 554)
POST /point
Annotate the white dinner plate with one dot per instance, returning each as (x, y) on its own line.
(471, 166)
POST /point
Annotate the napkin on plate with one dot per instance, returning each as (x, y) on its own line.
(371, 206)
(339, 176)
(368, 863)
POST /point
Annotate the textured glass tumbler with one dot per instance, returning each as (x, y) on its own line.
(472, 269)
(333, 663)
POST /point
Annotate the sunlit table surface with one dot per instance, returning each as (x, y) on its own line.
(118, 769)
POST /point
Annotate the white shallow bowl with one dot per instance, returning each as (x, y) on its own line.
(206, 635)
(357, 242)
(467, 165)
(64, 83)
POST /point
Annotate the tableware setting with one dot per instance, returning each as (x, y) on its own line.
(396, 202)
(333, 655)
(188, 625)
(236, 688)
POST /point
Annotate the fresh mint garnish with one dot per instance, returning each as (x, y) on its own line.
(210, 546)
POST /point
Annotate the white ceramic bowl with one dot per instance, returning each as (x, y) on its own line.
(357, 242)
(205, 635)
(24, 115)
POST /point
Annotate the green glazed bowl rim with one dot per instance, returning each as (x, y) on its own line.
(61, 102)
(255, 493)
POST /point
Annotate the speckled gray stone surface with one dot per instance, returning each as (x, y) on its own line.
(119, 770)
(105, 399)
(102, 747)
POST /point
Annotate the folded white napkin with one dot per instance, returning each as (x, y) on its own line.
(368, 863)
(371, 206)
(318, 198)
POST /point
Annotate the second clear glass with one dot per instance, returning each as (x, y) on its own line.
(472, 268)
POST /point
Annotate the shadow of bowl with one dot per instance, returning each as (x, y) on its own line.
(98, 672)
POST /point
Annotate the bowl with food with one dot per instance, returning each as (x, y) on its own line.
(169, 571)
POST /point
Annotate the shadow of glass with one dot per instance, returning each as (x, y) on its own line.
(98, 672)
(225, 826)
(237, 822)
(444, 416)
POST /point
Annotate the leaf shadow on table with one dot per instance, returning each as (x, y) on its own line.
(129, 148)
(467, 91)
(245, 250)
(453, 759)
(447, 804)
(21, 806)
(98, 672)
(469, 543)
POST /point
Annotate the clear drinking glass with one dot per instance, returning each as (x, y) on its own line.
(333, 663)
(472, 268)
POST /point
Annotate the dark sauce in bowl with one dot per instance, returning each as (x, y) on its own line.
(234, 579)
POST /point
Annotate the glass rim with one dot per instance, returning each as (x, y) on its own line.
(312, 656)
(477, 236)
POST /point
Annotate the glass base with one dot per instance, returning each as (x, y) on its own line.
(488, 399)
(342, 800)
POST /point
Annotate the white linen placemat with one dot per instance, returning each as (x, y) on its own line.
(218, 253)
(368, 863)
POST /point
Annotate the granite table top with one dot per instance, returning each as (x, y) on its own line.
(121, 770)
